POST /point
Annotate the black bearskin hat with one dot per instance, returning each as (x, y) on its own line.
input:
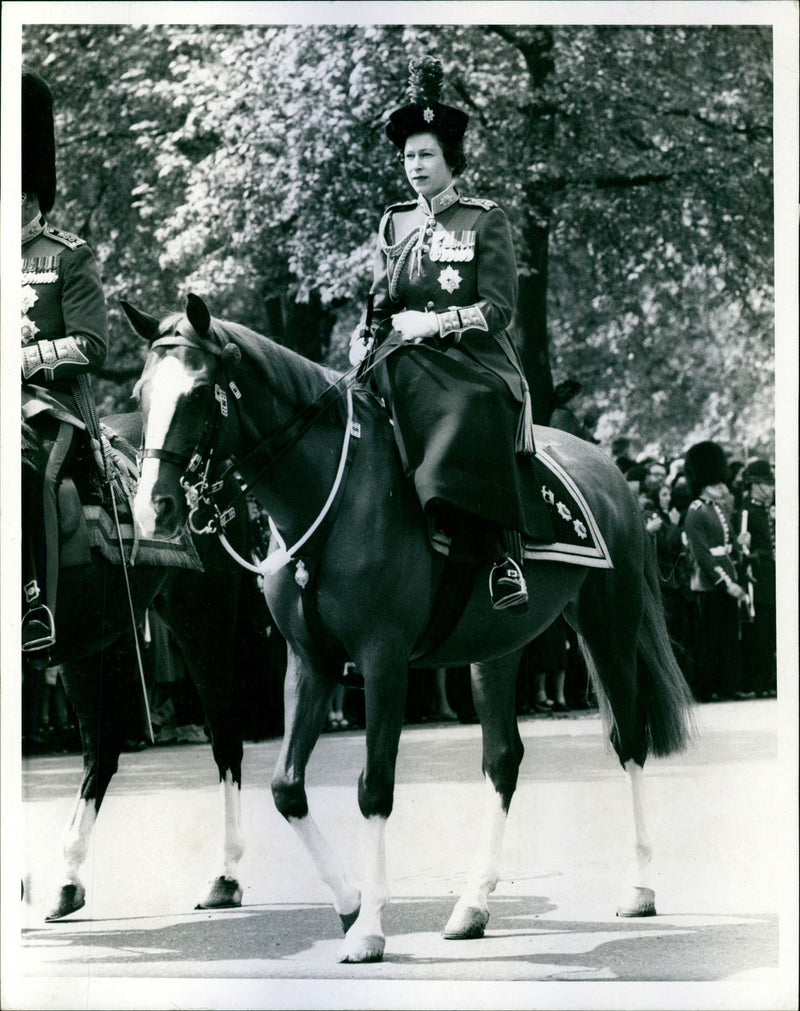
(758, 472)
(565, 391)
(38, 140)
(425, 113)
(706, 464)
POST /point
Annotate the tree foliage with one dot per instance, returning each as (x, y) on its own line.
(249, 164)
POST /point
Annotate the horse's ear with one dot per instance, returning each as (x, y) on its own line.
(146, 326)
(198, 315)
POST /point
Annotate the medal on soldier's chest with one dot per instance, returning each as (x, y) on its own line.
(449, 280)
(452, 247)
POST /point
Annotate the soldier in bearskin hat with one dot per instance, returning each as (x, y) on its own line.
(445, 275)
(755, 526)
(64, 333)
(710, 536)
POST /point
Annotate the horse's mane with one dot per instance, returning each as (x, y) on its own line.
(293, 378)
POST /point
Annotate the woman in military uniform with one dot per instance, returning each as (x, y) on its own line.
(445, 275)
(64, 334)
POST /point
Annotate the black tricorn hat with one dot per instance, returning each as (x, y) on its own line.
(705, 464)
(38, 140)
(425, 113)
(758, 472)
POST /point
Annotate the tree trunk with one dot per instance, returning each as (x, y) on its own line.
(536, 47)
(531, 322)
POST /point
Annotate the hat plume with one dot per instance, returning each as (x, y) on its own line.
(425, 78)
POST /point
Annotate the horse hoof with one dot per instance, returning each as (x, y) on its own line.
(466, 923)
(642, 903)
(226, 893)
(348, 919)
(70, 899)
(365, 949)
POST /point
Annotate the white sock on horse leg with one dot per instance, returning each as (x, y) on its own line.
(643, 850)
(346, 898)
(233, 842)
(484, 870)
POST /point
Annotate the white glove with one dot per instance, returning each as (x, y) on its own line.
(360, 345)
(413, 325)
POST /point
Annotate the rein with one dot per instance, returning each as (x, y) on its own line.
(275, 561)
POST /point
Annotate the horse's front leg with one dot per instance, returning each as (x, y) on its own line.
(306, 696)
(207, 642)
(102, 732)
(493, 690)
(385, 689)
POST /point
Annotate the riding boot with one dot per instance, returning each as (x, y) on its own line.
(38, 632)
(507, 584)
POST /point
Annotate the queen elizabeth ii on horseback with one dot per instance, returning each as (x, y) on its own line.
(445, 285)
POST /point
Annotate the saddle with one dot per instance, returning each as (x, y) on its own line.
(86, 518)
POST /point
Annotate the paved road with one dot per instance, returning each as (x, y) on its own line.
(716, 818)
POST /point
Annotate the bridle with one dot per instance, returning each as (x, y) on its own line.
(200, 490)
(201, 493)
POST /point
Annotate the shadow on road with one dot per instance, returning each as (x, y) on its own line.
(520, 943)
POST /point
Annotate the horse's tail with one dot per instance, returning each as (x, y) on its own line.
(663, 695)
(663, 692)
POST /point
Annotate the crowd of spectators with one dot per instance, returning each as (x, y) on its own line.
(712, 519)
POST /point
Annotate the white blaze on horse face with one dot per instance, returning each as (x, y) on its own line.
(169, 381)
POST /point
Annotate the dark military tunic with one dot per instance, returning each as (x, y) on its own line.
(63, 307)
(456, 398)
(759, 636)
(708, 533)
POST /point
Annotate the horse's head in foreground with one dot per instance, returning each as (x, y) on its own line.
(181, 403)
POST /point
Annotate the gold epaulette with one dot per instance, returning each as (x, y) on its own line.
(487, 205)
(65, 238)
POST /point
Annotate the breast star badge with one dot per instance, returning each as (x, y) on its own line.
(450, 279)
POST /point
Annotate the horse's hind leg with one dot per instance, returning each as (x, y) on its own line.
(641, 900)
(493, 691)
(607, 616)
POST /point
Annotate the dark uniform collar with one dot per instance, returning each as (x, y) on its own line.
(33, 229)
(440, 202)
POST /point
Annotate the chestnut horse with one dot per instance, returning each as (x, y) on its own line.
(351, 572)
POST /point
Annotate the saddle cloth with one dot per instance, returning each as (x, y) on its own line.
(578, 538)
(85, 522)
(102, 534)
